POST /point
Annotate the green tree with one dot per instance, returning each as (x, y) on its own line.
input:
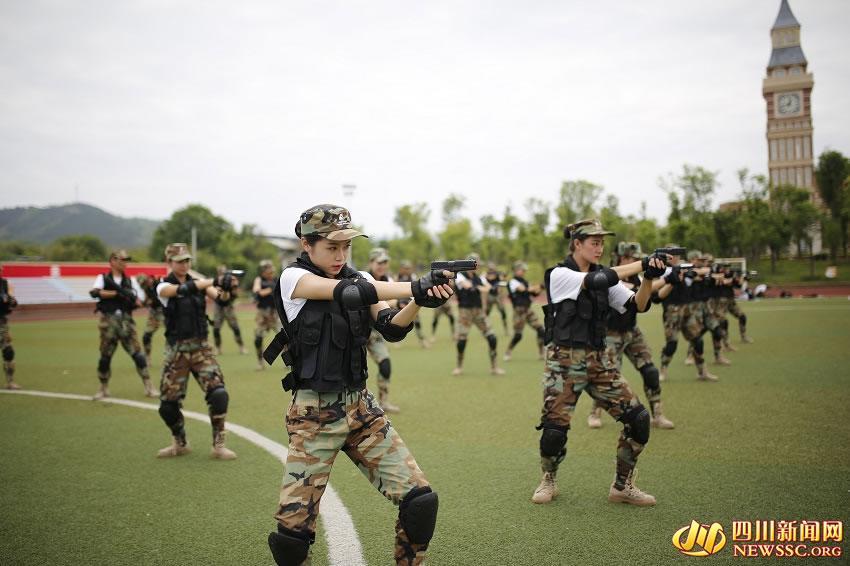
(832, 175)
(576, 201)
(691, 221)
(14, 251)
(456, 238)
(78, 248)
(415, 243)
(210, 230)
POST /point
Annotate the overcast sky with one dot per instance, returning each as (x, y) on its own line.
(261, 109)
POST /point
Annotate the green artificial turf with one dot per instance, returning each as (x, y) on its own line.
(79, 483)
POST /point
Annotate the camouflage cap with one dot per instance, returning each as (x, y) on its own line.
(520, 265)
(329, 221)
(586, 227)
(120, 254)
(379, 255)
(694, 254)
(177, 252)
(266, 264)
(475, 256)
(406, 264)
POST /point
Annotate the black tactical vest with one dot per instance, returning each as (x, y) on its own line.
(153, 298)
(266, 302)
(119, 301)
(470, 298)
(628, 320)
(327, 344)
(185, 317)
(579, 322)
(4, 290)
(680, 295)
(493, 279)
(520, 298)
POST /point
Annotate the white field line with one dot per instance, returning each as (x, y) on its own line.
(343, 545)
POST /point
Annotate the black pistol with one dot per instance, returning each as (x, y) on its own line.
(455, 266)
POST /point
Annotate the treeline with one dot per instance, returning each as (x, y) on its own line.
(763, 221)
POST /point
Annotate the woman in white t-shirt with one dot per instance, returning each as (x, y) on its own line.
(581, 292)
(328, 311)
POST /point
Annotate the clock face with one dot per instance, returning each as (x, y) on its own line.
(788, 104)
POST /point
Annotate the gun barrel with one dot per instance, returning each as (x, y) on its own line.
(455, 266)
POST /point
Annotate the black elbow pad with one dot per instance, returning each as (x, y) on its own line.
(354, 294)
(391, 332)
(601, 279)
(186, 288)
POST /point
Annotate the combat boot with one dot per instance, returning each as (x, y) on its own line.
(662, 374)
(219, 451)
(496, 371)
(593, 420)
(12, 385)
(729, 347)
(630, 494)
(658, 418)
(102, 393)
(721, 360)
(746, 339)
(703, 375)
(260, 365)
(149, 388)
(507, 356)
(547, 490)
(178, 447)
(242, 350)
(457, 371)
(386, 405)
(689, 361)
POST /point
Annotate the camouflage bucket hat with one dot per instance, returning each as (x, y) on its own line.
(177, 252)
(520, 265)
(120, 254)
(379, 254)
(587, 227)
(329, 221)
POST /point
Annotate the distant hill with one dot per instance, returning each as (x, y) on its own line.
(43, 225)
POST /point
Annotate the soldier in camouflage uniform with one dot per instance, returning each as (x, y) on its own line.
(156, 316)
(733, 308)
(495, 279)
(625, 337)
(266, 319)
(581, 292)
(7, 303)
(376, 346)
(188, 352)
(328, 311)
(471, 289)
(445, 310)
(521, 293)
(223, 309)
(118, 294)
(705, 291)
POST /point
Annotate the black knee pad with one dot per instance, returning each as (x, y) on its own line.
(289, 548)
(258, 342)
(140, 360)
(384, 368)
(742, 319)
(170, 412)
(724, 324)
(541, 333)
(147, 338)
(217, 400)
(418, 514)
(461, 346)
(717, 333)
(553, 440)
(217, 335)
(237, 333)
(699, 345)
(103, 364)
(8, 354)
(636, 421)
(491, 340)
(650, 377)
(670, 348)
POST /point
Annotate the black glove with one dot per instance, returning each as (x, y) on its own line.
(673, 277)
(13, 302)
(420, 289)
(94, 293)
(650, 271)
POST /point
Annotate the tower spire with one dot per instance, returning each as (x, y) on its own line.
(785, 18)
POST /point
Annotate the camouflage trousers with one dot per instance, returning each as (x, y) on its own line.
(319, 425)
(571, 371)
(699, 318)
(156, 318)
(6, 348)
(444, 310)
(193, 356)
(633, 344)
(266, 320)
(523, 316)
(377, 348)
(467, 317)
(222, 313)
(114, 328)
(735, 310)
(497, 302)
(672, 318)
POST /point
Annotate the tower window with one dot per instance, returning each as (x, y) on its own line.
(795, 70)
(807, 177)
(778, 72)
(773, 151)
(807, 150)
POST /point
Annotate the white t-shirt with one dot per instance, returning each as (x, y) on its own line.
(99, 283)
(564, 283)
(159, 288)
(514, 284)
(288, 281)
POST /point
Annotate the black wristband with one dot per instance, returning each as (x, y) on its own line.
(186, 288)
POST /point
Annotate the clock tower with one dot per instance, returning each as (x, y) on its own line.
(787, 89)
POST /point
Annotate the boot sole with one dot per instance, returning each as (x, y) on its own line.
(618, 499)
